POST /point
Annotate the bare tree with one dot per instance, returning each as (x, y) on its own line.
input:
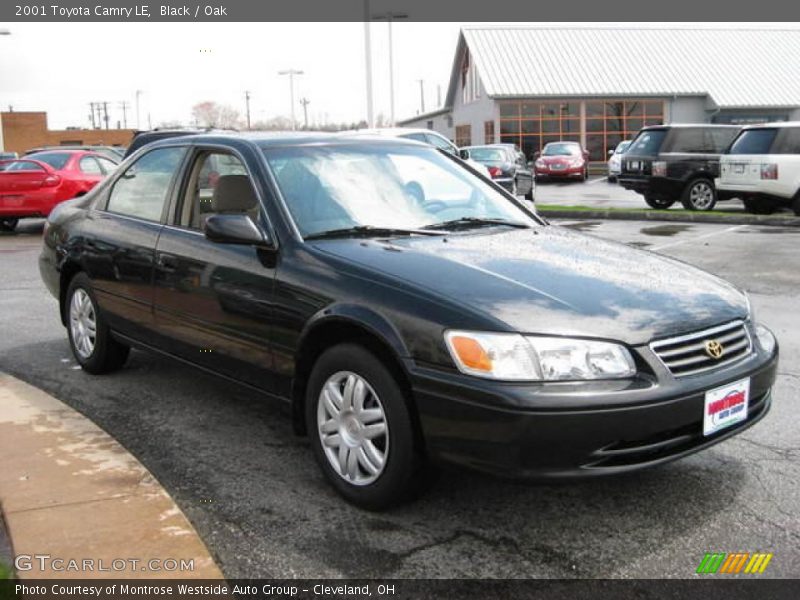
(211, 114)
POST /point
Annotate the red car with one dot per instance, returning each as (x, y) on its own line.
(562, 159)
(33, 185)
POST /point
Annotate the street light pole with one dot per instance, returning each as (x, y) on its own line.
(368, 61)
(247, 103)
(421, 96)
(390, 16)
(291, 73)
(138, 122)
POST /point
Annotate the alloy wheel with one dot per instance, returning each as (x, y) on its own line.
(83, 323)
(701, 196)
(352, 428)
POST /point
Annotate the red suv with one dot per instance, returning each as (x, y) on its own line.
(562, 159)
(33, 185)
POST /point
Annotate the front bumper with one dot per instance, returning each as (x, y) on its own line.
(564, 430)
(570, 172)
(660, 187)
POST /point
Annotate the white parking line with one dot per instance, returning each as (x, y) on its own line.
(695, 238)
(596, 180)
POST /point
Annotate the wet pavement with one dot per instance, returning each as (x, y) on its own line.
(255, 495)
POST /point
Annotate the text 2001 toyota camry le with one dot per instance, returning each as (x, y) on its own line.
(407, 308)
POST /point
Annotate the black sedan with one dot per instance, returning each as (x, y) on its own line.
(404, 329)
(507, 167)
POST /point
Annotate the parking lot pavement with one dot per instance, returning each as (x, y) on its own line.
(598, 193)
(255, 495)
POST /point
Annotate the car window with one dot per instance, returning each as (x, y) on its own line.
(218, 183)
(721, 139)
(754, 141)
(328, 188)
(419, 137)
(561, 150)
(488, 154)
(689, 140)
(648, 142)
(57, 160)
(24, 165)
(108, 166)
(439, 142)
(141, 190)
(789, 141)
(90, 166)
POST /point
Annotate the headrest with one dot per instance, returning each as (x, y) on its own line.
(233, 193)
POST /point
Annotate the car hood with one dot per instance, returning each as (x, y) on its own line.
(554, 281)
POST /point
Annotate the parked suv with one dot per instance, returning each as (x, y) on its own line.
(668, 163)
(762, 167)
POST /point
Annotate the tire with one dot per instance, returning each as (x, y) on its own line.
(760, 206)
(380, 469)
(514, 188)
(796, 204)
(529, 195)
(585, 174)
(699, 195)
(611, 179)
(102, 354)
(8, 224)
(658, 203)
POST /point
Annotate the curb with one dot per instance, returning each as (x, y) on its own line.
(70, 491)
(676, 216)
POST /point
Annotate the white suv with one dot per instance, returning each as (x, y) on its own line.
(762, 167)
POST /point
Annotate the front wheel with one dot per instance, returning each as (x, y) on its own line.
(658, 203)
(89, 336)
(796, 204)
(8, 224)
(699, 195)
(361, 430)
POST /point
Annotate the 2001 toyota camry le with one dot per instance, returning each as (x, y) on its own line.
(410, 310)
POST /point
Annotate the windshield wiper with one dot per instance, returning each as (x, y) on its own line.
(470, 222)
(370, 231)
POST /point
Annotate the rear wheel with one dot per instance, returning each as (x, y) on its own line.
(361, 430)
(8, 224)
(658, 203)
(699, 195)
(761, 206)
(89, 336)
(796, 204)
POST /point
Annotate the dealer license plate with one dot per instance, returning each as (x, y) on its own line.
(725, 406)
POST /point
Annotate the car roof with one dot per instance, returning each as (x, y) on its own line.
(688, 125)
(391, 131)
(773, 124)
(286, 138)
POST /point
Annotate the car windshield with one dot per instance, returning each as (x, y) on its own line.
(384, 186)
(561, 150)
(754, 141)
(648, 142)
(57, 160)
(622, 147)
(488, 154)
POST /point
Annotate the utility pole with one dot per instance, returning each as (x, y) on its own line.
(421, 95)
(105, 113)
(390, 16)
(91, 114)
(138, 123)
(291, 73)
(124, 106)
(368, 61)
(438, 95)
(305, 102)
(247, 104)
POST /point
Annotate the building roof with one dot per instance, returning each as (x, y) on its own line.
(736, 68)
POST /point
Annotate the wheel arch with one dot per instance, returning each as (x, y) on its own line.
(348, 323)
(68, 270)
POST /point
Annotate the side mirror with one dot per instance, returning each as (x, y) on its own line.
(536, 155)
(464, 154)
(236, 228)
(611, 153)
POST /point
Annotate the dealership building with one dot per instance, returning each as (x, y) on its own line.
(599, 86)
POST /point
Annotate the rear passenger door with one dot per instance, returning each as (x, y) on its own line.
(121, 236)
(213, 301)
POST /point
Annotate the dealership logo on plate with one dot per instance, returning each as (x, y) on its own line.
(734, 562)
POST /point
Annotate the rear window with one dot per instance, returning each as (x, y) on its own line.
(57, 160)
(488, 154)
(754, 141)
(648, 142)
(23, 165)
(789, 141)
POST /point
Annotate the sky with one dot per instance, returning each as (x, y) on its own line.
(62, 67)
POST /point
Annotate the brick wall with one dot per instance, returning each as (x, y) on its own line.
(22, 131)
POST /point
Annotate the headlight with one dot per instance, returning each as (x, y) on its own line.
(513, 357)
(539, 163)
(765, 338)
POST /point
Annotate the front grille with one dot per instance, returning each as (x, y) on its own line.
(688, 354)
